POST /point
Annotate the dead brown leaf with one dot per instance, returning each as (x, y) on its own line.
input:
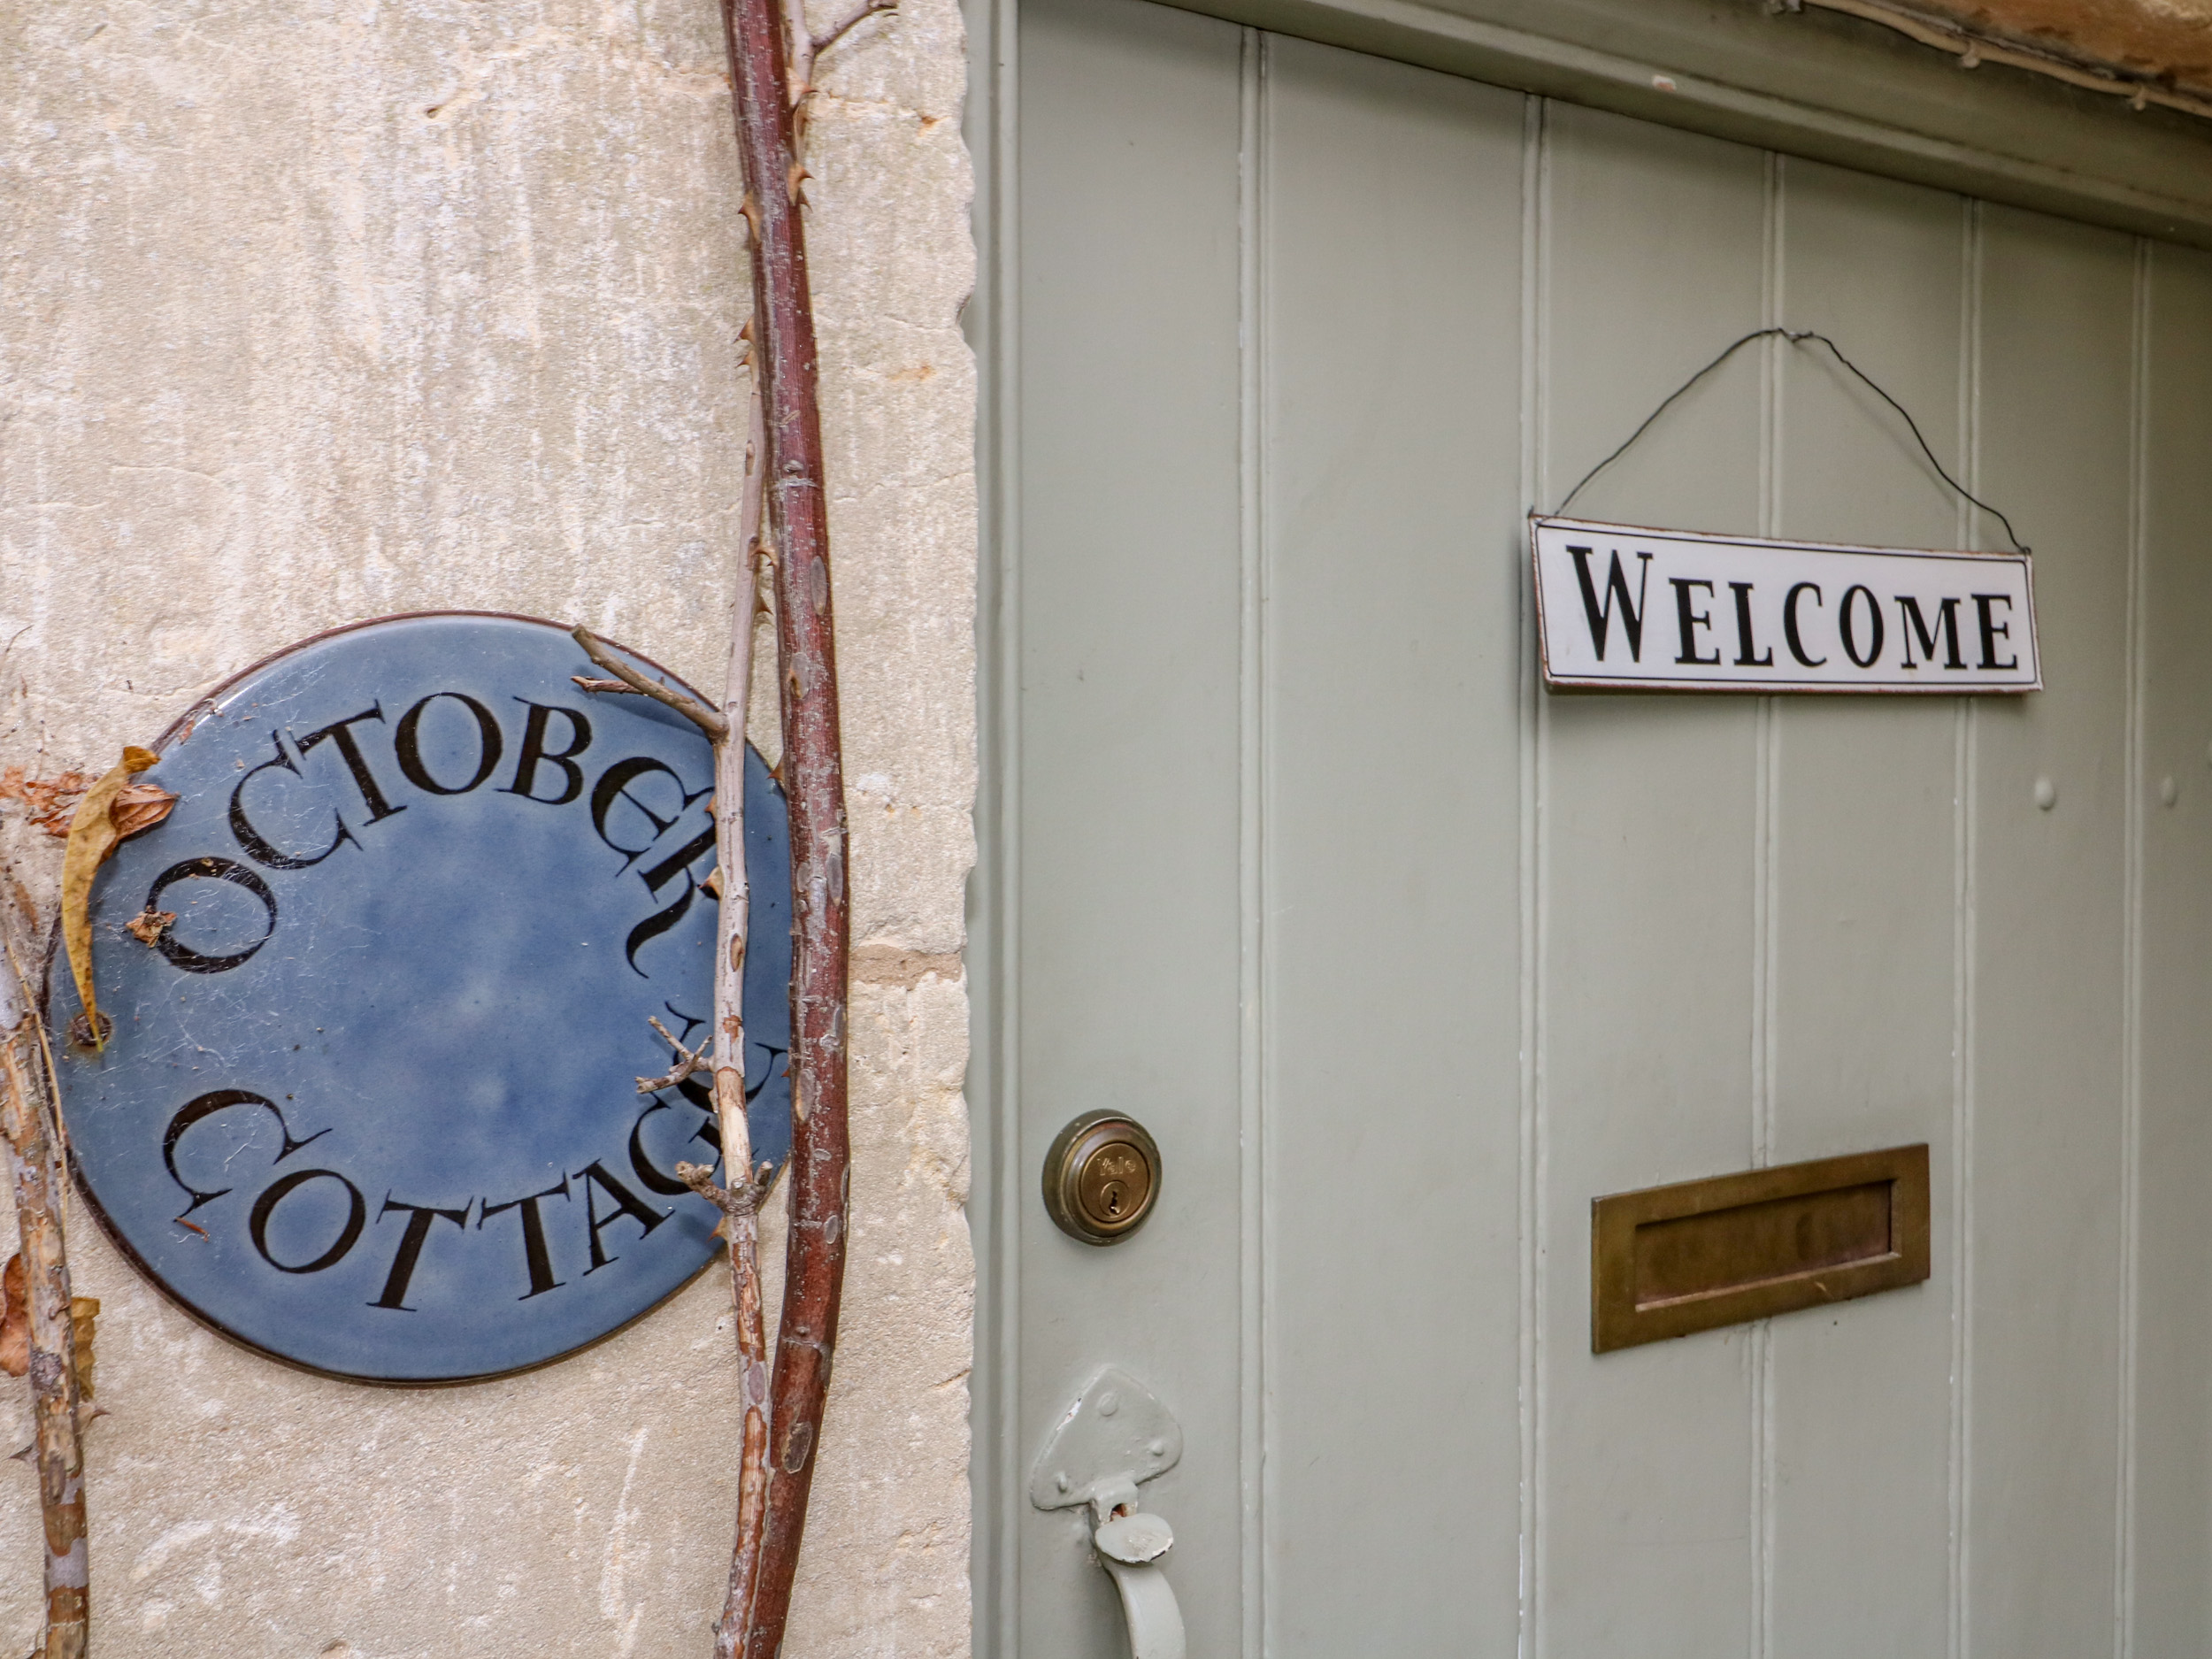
(15, 1324)
(149, 924)
(83, 1311)
(15, 1327)
(92, 837)
(140, 806)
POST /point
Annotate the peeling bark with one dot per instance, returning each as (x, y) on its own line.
(29, 1119)
(784, 363)
(741, 1210)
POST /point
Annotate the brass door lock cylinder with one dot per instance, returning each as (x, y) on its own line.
(1101, 1178)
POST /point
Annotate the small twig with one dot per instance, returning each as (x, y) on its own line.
(741, 1199)
(806, 47)
(667, 1036)
(687, 1061)
(585, 682)
(845, 25)
(705, 718)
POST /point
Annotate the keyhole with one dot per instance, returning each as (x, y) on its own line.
(1101, 1177)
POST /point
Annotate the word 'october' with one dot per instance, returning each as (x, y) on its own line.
(545, 770)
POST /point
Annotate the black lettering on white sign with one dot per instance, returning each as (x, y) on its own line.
(1628, 609)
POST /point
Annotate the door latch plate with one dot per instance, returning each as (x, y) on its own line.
(1117, 1432)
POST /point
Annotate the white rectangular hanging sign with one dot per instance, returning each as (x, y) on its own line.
(1627, 609)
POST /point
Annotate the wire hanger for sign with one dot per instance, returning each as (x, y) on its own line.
(1798, 337)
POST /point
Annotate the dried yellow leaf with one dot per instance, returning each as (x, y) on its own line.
(15, 1327)
(92, 837)
(83, 1311)
(15, 1324)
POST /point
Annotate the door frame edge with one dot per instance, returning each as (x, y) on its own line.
(1814, 83)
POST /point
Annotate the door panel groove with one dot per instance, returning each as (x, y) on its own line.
(2131, 1025)
(1529, 711)
(1964, 793)
(1257, 1285)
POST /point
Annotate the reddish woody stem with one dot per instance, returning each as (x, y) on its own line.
(784, 361)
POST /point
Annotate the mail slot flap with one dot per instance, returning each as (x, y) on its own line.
(1671, 1260)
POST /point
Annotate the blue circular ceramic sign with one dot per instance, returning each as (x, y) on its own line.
(368, 1105)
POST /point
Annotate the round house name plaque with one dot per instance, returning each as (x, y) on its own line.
(368, 1105)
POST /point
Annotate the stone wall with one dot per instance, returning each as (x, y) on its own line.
(324, 310)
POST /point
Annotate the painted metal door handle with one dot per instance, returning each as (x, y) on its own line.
(1116, 1434)
(1129, 1547)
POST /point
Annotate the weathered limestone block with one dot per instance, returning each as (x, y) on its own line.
(324, 310)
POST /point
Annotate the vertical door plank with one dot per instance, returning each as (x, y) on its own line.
(1129, 756)
(1391, 290)
(2173, 1520)
(2049, 895)
(1862, 872)
(1652, 263)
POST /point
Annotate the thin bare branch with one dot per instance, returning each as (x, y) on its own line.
(705, 718)
(742, 1225)
(687, 1061)
(743, 1200)
(28, 1105)
(585, 682)
(804, 48)
(846, 25)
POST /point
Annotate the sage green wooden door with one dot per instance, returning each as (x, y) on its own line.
(1403, 960)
